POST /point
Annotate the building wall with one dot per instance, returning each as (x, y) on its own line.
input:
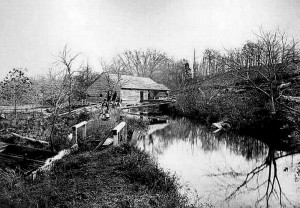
(130, 96)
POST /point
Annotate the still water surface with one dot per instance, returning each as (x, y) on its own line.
(224, 170)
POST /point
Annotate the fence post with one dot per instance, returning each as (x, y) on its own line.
(116, 132)
(84, 132)
(115, 139)
(75, 134)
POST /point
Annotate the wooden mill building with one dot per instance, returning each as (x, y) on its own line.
(129, 89)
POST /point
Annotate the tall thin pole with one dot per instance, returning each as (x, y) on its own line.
(194, 64)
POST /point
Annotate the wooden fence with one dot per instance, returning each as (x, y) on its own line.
(80, 133)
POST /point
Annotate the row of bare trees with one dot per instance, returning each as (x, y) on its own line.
(262, 64)
(150, 63)
(269, 48)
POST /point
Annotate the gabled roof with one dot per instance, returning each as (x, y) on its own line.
(123, 82)
(141, 83)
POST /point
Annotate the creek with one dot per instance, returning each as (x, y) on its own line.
(224, 170)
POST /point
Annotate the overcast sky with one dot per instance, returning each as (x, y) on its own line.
(32, 32)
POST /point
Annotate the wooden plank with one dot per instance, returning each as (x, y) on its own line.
(80, 124)
(31, 139)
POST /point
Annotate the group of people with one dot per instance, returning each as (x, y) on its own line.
(111, 101)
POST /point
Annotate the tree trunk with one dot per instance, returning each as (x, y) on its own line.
(273, 109)
(51, 134)
(272, 102)
(15, 102)
(69, 100)
(52, 129)
(15, 108)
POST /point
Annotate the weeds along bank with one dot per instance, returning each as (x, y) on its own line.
(247, 112)
(121, 176)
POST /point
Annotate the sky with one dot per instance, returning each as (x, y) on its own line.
(33, 32)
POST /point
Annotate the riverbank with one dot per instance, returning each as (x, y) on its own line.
(121, 176)
(247, 113)
(116, 177)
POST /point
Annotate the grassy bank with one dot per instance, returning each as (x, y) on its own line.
(121, 176)
(116, 177)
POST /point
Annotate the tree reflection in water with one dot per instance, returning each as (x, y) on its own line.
(260, 183)
(269, 183)
(200, 137)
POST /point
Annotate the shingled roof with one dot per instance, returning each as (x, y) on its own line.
(140, 83)
(124, 82)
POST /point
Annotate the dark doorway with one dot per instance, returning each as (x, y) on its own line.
(141, 96)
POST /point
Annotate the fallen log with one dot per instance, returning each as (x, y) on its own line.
(31, 139)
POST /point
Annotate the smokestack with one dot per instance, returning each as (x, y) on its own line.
(194, 68)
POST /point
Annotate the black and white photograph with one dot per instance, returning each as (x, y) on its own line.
(150, 103)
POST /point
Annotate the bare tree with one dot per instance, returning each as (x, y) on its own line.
(59, 94)
(67, 60)
(82, 81)
(114, 74)
(273, 54)
(176, 75)
(212, 62)
(142, 63)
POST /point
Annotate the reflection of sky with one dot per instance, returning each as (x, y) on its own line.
(199, 167)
